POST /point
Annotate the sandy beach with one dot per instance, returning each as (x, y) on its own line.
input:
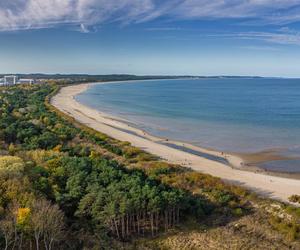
(224, 165)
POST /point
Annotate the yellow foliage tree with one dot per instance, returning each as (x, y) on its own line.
(46, 120)
(23, 215)
(11, 165)
(57, 148)
(40, 156)
(11, 149)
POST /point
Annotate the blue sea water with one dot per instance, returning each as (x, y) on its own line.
(228, 114)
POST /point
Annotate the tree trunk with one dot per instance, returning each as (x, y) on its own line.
(37, 238)
(111, 226)
(171, 217)
(174, 216)
(152, 224)
(123, 227)
(166, 220)
(6, 243)
(127, 225)
(45, 243)
(157, 219)
(143, 223)
(134, 223)
(116, 226)
(16, 238)
(50, 244)
(138, 222)
(21, 241)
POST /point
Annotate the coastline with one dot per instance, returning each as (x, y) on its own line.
(229, 167)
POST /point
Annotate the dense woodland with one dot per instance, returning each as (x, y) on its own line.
(65, 186)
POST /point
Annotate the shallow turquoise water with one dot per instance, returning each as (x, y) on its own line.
(238, 115)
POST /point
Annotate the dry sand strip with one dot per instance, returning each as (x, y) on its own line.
(271, 186)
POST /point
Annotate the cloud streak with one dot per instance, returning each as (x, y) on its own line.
(279, 38)
(283, 36)
(34, 14)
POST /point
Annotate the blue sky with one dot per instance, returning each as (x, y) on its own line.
(196, 37)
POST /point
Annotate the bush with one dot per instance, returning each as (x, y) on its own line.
(295, 198)
(47, 140)
(238, 212)
(146, 157)
(131, 152)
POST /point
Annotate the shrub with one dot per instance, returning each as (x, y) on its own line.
(131, 152)
(295, 198)
(146, 157)
(238, 212)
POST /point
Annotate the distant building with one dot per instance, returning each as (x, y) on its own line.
(10, 80)
(26, 81)
(13, 80)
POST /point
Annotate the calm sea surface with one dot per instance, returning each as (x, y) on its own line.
(237, 115)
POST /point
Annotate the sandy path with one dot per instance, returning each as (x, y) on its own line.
(271, 186)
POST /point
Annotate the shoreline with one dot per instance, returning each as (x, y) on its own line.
(237, 160)
(229, 167)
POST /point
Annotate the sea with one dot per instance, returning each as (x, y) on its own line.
(240, 115)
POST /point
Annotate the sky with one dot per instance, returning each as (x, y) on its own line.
(147, 37)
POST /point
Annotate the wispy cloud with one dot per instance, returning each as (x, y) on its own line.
(283, 36)
(164, 29)
(33, 14)
(290, 38)
(261, 9)
(260, 48)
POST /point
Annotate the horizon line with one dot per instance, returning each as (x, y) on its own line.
(152, 75)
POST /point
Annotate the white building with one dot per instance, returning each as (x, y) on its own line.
(25, 81)
(13, 80)
(10, 80)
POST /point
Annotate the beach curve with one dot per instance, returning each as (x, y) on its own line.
(271, 186)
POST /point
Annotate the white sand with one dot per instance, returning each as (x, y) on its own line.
(273, 187)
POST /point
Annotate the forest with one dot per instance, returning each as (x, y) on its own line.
(66, 186)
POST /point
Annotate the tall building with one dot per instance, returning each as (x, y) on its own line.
(10, 80)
